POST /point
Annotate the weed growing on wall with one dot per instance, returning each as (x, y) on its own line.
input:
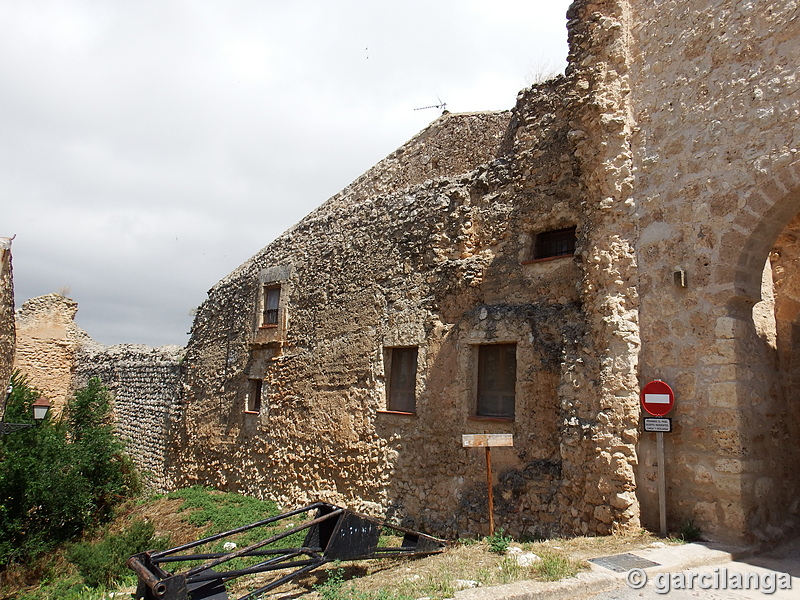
(60, 476)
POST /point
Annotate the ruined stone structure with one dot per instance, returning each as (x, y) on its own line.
(526, 272)
(144, 383)
(58, 357)
(7, 330)
(423, 254)
(47, 341)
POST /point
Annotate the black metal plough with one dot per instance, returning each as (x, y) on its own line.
(333, 533)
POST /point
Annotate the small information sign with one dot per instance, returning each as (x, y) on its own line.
(658, 424)
(485, 440)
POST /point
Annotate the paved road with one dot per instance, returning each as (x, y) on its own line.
(769, 572)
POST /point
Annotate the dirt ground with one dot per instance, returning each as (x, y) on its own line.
(435, 576)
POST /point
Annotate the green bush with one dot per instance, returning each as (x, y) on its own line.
(61, 476)
(103, 563)
(499, 541)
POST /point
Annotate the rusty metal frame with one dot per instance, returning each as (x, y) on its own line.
(334, 533)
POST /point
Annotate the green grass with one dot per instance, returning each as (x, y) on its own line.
(72, 588)
(219, 511)
(553, 567)
(336, 588)
(498, 542)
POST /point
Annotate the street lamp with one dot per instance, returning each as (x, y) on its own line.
(40, 408)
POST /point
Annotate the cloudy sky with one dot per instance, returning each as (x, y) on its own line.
(147, 148)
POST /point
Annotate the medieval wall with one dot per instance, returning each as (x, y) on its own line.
(672, 146)
(46, 344)
(145, 388)
(59, 357)
(604, 414)
(715, 96)
(7, 330)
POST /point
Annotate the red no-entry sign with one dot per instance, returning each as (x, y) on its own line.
(657, 398)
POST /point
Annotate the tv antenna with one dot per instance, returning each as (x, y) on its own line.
(442, 105)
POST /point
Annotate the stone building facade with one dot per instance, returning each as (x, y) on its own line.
(527, 272)
(668, 152)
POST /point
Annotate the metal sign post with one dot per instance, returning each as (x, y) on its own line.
(487, 440)
(658, 399)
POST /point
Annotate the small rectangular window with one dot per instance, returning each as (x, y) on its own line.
(272, 298)
(497, 380)
(254, 395)
(555, 243)
(402, 395)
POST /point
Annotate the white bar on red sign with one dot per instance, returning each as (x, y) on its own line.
(656, 398)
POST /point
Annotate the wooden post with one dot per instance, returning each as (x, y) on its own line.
(486, 440)
(489, 485)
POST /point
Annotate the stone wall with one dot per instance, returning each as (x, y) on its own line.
(604, 398)
(671, 145)
(59, 357)
(715, 94)
(408, 256)
(47, 340)
(145, 387)
(7, 330)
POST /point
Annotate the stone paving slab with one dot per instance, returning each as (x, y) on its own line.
(599, 579)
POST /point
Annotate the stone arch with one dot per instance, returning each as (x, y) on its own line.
(763, 214)
(757, 446)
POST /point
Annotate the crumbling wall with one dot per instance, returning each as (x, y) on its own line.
(47, 339)
(59, 357)
(144, 382)
(600, 395)
(7, 330)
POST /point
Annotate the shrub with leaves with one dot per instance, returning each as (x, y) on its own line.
(60, 476)
(499, 541)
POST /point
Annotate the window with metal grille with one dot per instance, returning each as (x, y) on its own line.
(272, 298)
(555, 243)
(497, 380)
(402, 396)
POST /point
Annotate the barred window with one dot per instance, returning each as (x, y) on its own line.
(497, 379)
(555, 243)
(272, 298)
